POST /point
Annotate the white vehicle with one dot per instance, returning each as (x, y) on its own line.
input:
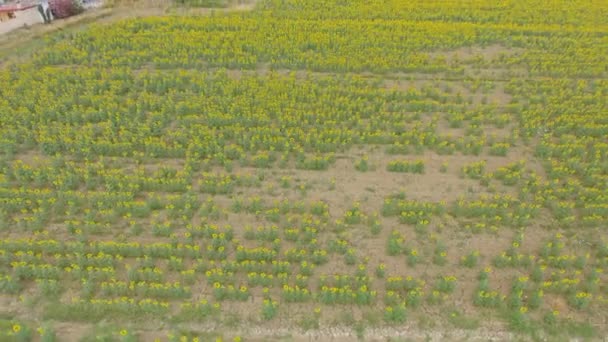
(45, 11)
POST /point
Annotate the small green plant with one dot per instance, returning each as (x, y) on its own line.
(470, 260)
(413, 258)
(354, 215)
(550, 318)
(318, 162)
(50, 288)
(310, 321)
(446, 284)
(474, 170)
(126, 335)
(375, 226)
(319, 208)
(285, 182)
(332, 184)
(537, 274)
(440, 256)
(363, 164)
(350, 258)
(361, 271)
(519, 320)
(381, 271)
(436, 297)
(405, 166)
(269, 309)
(395, 314)
(14, 331)
(580, 300)
(461, 321)
(395, 244)
(499, 149)
(536, 299)
(46, 333)
(414, 298)
(360, 330)
(237, 205)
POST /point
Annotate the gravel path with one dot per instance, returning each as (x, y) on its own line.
(27, 17)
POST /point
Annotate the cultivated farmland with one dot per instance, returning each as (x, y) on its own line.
(310, 169)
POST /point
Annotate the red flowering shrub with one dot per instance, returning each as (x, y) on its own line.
(65, 8)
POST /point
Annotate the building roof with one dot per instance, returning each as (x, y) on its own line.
(17, 7)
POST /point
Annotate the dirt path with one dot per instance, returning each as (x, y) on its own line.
(22, 19)
(73, 332)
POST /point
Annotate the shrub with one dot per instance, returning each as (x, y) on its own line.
(65, 8)
(363, 164)
(405, 166)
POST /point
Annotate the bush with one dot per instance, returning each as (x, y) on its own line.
(203, 3)
(405, 166)
(65, 8)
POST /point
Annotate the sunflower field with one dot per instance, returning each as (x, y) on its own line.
(329, 168)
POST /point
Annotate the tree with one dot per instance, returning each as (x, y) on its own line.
(65, 8)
